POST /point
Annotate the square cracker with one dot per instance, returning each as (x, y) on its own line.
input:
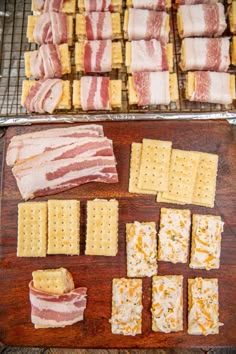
(136, 151)
(160, 199)
(167, 303)
(32, 229)
(102, 228)
(174, 235)
(154, 167)
(53, 281)
(63, 227)
(182, 176)
(205, 186)
(127, 306)
(141, 245)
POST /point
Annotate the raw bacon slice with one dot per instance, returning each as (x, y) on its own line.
(98, 25)
(195, 2)
(205, 54)
(95, 93)
(212, 87)
(45, 62)
(59, 175)
(202, 20)
(149, 4)
(48, 5)
(44, 96)
(98, 5)
(146, 24)
(26, 146)
(148, 56)
(49, 310)
(51, 27)
(98, 56)
(152, 88)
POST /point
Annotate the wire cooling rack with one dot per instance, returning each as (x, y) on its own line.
(13, 43)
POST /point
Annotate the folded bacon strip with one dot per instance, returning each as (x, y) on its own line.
(44, 96)
(24, 146)
(147, 24)
(95, 93)
(48, 5)
(45, 62)
(98, 25)
(202, 20)
(211, 87)
(152, 88)
(205, 54)
(98, 56)
(98, 5)
(49, 310)
(51, 27)
(148, 56)
(149, 4)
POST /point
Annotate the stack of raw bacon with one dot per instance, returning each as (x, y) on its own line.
(51, 161)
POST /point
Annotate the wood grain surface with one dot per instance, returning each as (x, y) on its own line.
(97, 273)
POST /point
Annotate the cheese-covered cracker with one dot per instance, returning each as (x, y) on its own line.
(167, 303)
(174, 235)
(102, 228)
(53, 281)
(205, 185)
(182, 175)
(63, 227)
(135, 160)
(141, 249)
(154, 167)
(32, 229)
(126, 306)
(206, 241)
(203, 306)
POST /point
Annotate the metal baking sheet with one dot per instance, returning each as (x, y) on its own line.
(13, 44)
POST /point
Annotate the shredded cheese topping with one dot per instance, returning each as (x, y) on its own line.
(174, 235)
(203, 306)
(167, 303)
(127, 306)
(141, 249)
(206, 244)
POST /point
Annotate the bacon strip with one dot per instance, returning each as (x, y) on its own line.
(51, 27)
(147, 24)
(53, 5)
(45, 62)
(98, 25)
(95, 93)
(49, 310)
(203, 20)
(149, 4)
(98, 56)
(212, 87)
(148, 56)
(206, 54)
(58, 175)
(195, 2)
(44, 96)
(152, 88)
(26, 146)
(98, 5)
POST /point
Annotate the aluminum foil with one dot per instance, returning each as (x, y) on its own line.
(27, 120)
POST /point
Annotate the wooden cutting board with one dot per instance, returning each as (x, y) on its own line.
(96, 273)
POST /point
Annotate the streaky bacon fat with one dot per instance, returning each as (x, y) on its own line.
(148, 56)
(98, 5)
(98, 25)
(98, 56)
(147, 24)
(49, 310)
(95, 93)
(149, 4)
